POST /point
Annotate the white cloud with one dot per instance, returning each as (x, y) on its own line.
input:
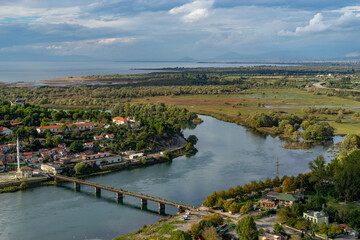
(72, 47)
(353, 54)
(349, 19)
(316, 24)
(193, 11)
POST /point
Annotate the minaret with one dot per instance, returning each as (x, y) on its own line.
(18, 154)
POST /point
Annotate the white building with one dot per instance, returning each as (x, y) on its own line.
(69, 127)
(51, 168)
(5, 131)
(101, 158)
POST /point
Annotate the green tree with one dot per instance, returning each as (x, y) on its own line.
(289, 184)
(318, 172)
(279, 229)
(210, 234)
(23, 186)
(76, 147)
(79, 168)
(246, 229)
(350, 141)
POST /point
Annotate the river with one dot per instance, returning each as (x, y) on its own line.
(228, 155)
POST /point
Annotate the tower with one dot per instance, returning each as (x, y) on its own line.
(19, 173)
(277, 167)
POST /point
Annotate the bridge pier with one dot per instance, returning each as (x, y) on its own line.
(97, 191)
(143, 204)
(119, 196)
(76, 186)
(161, 208)
(180, 209)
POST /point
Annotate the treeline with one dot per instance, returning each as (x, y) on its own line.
(325, 110)
(344, 82)
(290, 125)
(274, 70)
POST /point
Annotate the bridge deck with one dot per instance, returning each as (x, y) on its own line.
(126, 192)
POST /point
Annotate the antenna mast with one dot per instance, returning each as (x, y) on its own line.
(277, 167)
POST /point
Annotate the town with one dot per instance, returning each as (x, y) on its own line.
(82, 147)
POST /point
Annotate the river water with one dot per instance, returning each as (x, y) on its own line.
(228, 155)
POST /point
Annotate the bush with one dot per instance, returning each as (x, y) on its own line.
(23, 186)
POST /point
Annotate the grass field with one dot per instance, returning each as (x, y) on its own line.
(264, 100)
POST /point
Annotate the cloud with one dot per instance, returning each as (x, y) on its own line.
(348, 20)
(315, 25)
(193, 11)
(72, 47)
(353, 54)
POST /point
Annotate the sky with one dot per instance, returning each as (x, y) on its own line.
(176, 29)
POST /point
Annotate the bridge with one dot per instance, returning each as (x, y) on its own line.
(121, 192)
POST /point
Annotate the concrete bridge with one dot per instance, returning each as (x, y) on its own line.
(121, 192)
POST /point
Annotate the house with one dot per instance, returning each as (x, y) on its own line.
(268, 236)
(26, 172)
(317, 217)
(110, 136)
(288, 199)
(349, 231)
(16, 124)
(5, 131)
(97, 138)
(125, 121)
(69, 127)
(88, 145)
(62, 145)
(270, 200)
(18, 102)
(2, 166)
(2, 156)
(101, 158)
(51, 168)
(136, 155)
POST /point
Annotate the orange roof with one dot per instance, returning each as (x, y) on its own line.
(98, 136)
(1, 154)
(50, 127)
(121, 119)
(68, 125)
(90, 143)
(111, 135)
(3, 129)
(26, 168)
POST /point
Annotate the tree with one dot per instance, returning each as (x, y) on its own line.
(76, 147)
(319, 131)
(247, 207)
(210, 200)
(23, 186)
(210, 234)
(234, 207)
(79, 168)
(246, 229)
(279, 229)
(347, 182)
(289, 184)
(318, 172)
(192, 139)
(351, 141)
